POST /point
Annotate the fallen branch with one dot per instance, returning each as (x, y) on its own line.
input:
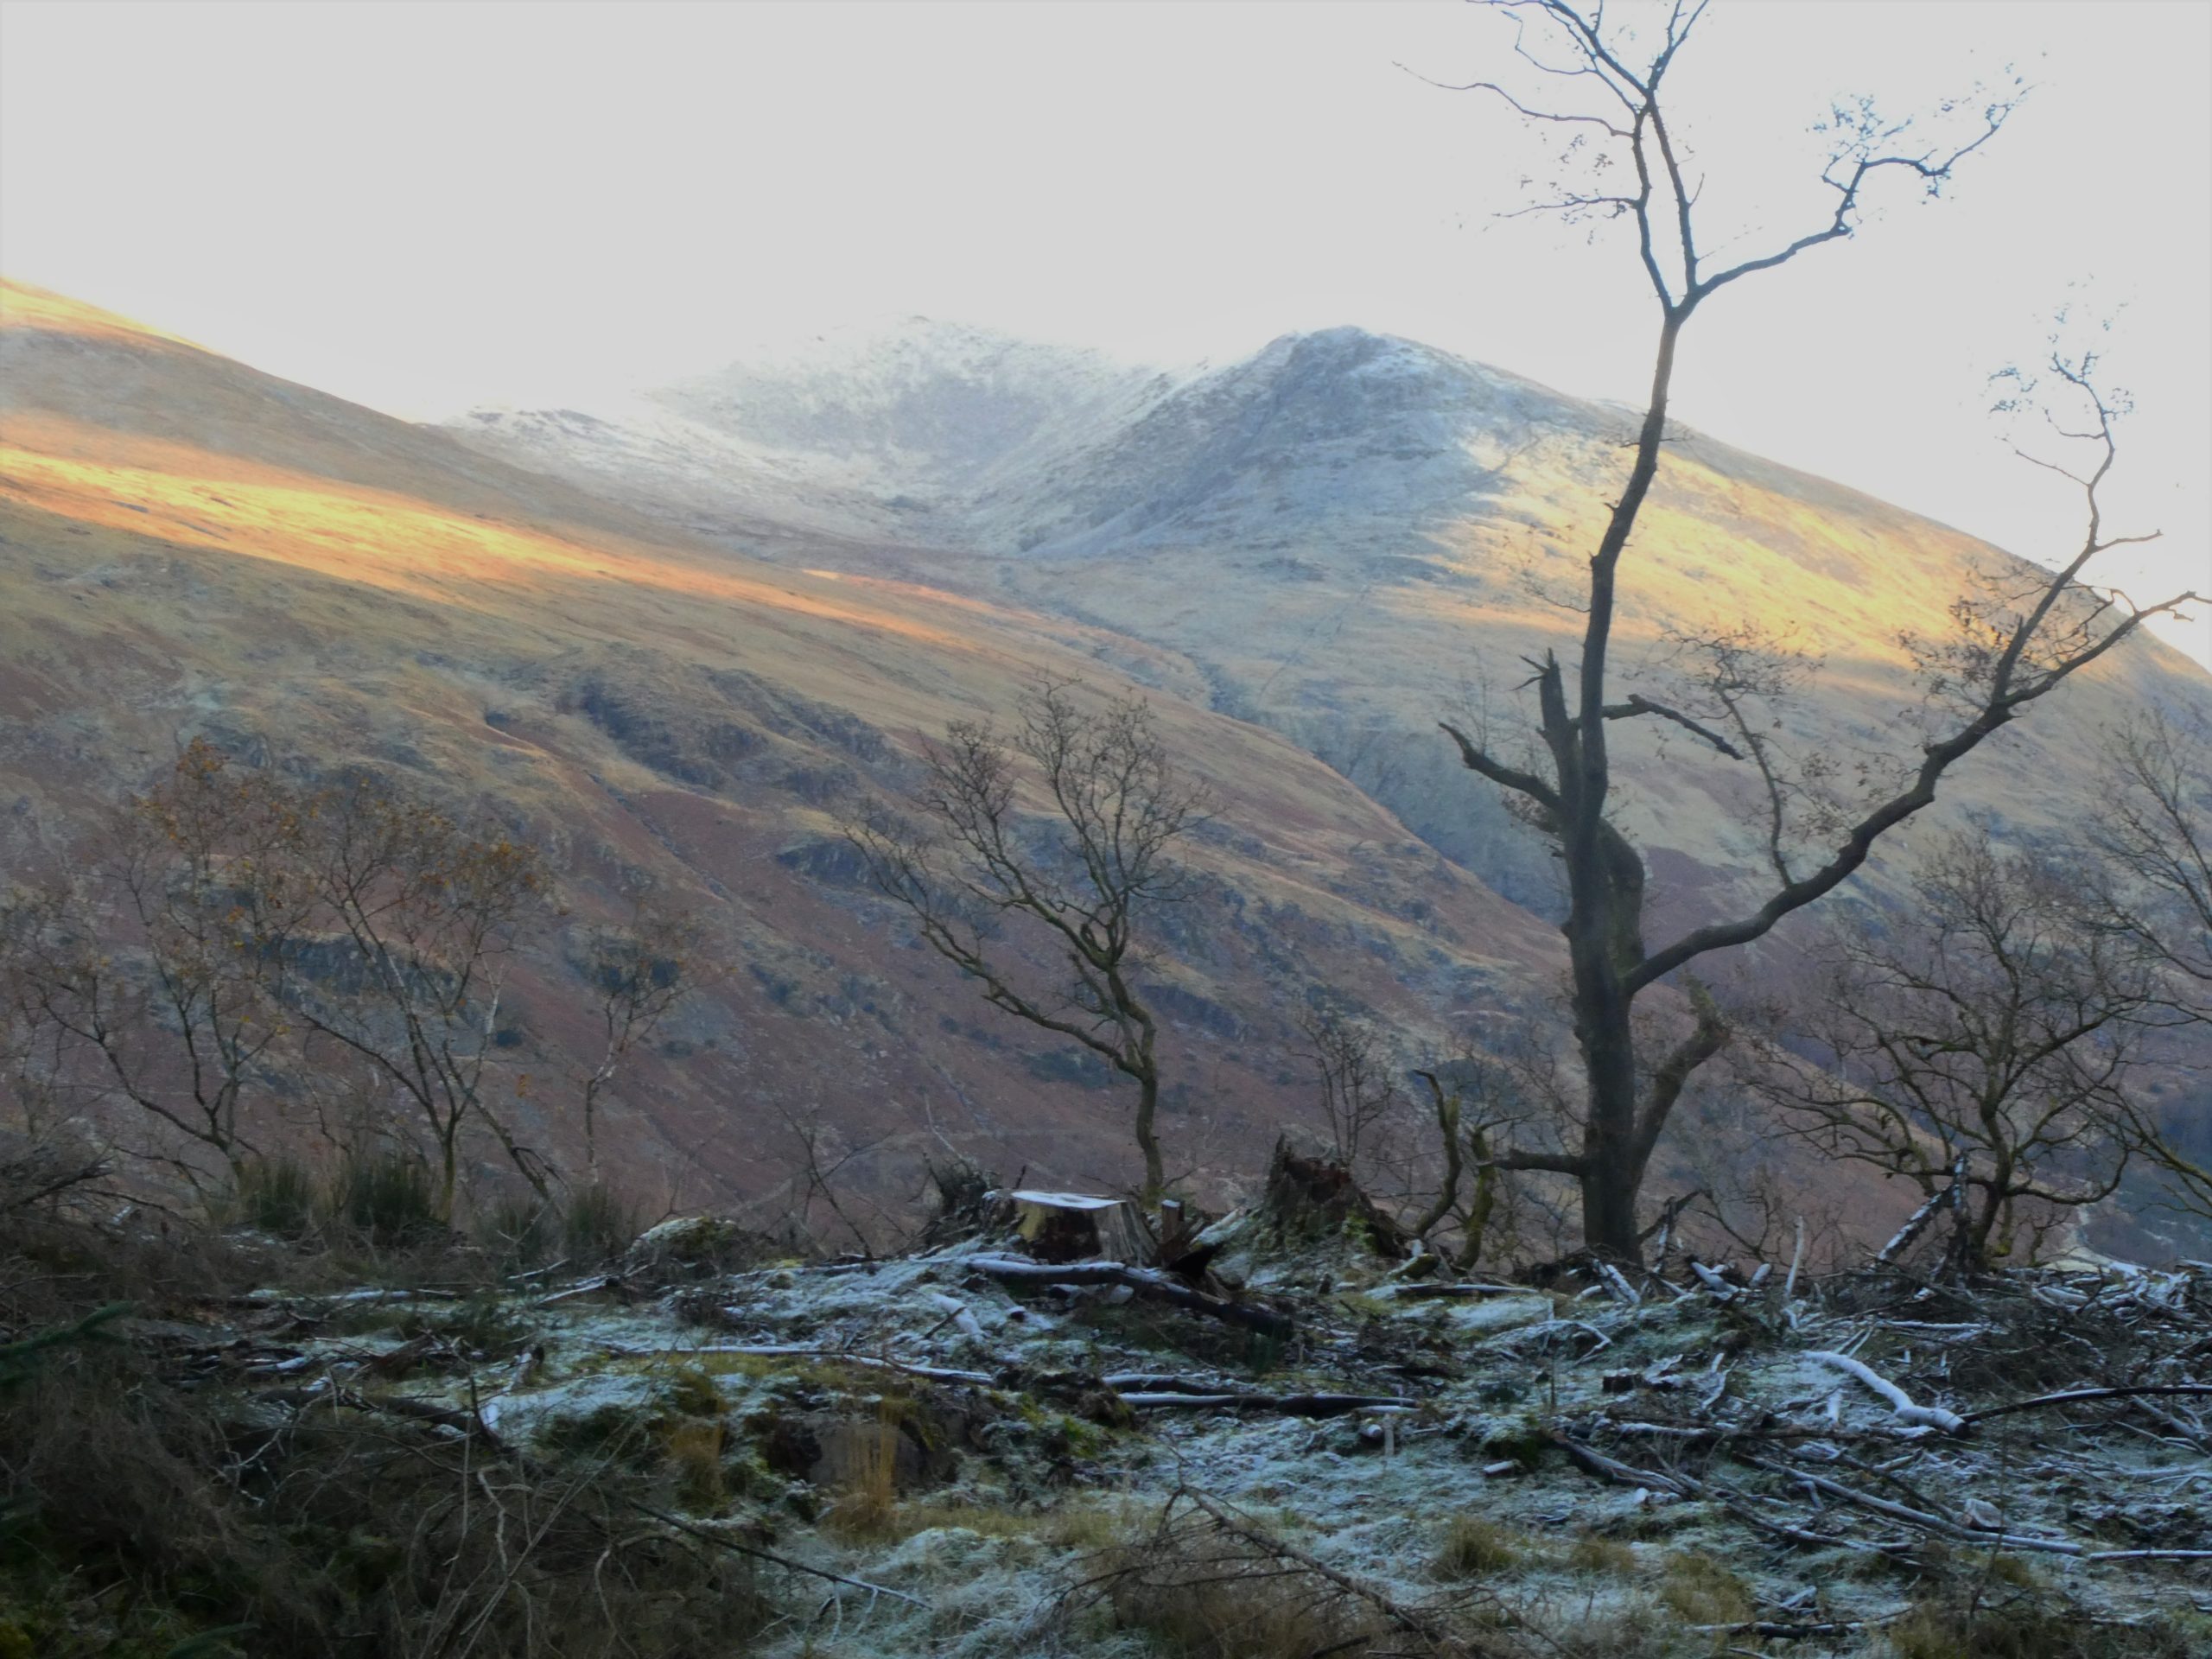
(779, 1351)
(1901, 1402)
(2072, 1396)
(1592, 1461)
(1290, 1405)
(1916, 1222)
(706, 1535)
(1145, 1280)
(1921, 1518)
(1421, 1292)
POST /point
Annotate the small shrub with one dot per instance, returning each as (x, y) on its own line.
(276, 1196)
(597, 1224)
(1474, 1548)
(517, 1229)
(385, 1196)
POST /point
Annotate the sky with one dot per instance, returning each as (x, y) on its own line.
(423, 206)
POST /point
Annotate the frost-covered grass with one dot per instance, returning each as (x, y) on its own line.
(966, 1465)
(813, 1405)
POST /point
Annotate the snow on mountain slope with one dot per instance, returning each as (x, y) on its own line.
(1348, 535)
(901, 433)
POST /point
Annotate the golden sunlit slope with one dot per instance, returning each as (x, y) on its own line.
(1354, 632)
(189, 548)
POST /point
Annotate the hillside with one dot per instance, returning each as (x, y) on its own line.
(681, 655)
(189, 548)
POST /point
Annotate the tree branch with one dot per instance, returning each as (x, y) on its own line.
(1640, 705)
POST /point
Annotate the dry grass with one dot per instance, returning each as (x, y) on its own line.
(695, 1449)
(1601, 1557)
(1698, 1590)
(1475, 1548)
(864, 1456)
(2038, 1627)
(144, 1509)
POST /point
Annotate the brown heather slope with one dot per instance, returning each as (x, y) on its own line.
(189, 548)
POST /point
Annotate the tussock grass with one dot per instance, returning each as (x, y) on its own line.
(387, 1198)
(1698, 1590)
(279, 1196)
(597, 1223)
(1475, 1548)
(1600, 1557)
(866, 1502)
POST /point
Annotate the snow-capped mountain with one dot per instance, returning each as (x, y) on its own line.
(1345, 537)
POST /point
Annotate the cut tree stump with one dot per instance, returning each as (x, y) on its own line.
(1310, 1198)
(1076, 1227)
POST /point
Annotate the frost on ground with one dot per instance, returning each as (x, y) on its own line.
(941, 1454)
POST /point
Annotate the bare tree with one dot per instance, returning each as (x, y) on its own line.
(1978, 1045)
(148, 962)
(1472, 1098)
(640, 971)
(396, 963)
(2154, 834)
(2152, 842)
(1353, 1062)
(1079, 878)
(2016, 646)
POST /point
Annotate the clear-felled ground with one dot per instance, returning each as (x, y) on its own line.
(1014, 1468)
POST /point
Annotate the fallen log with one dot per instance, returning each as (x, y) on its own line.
(1146, 1282)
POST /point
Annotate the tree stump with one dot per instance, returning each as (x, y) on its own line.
(1076, 1227)
(1312, 1198)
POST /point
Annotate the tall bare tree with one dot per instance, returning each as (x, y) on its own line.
(2152, 843)
(1610, 101)
(1079, 878)
(2154, 834)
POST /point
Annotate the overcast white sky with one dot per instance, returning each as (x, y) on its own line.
(425, 205)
